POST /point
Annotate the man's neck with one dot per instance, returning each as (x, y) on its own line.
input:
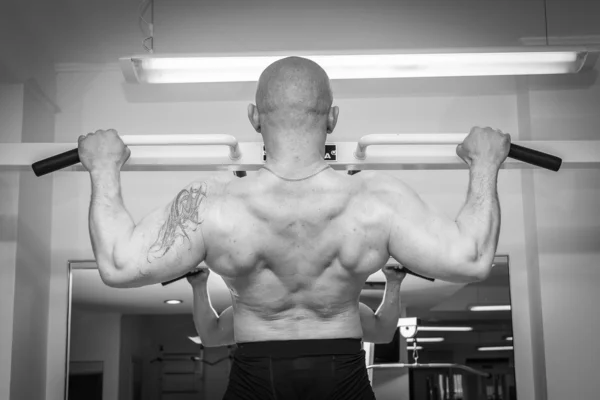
(294, 154)
(295, 163)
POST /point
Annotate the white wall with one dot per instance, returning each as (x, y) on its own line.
(24, 249)
(568, 233)
(11, 119)
(32, 278)
(97, 337)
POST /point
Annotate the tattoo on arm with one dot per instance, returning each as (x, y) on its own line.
(183, 217)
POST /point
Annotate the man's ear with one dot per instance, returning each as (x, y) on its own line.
(253, 117)
(332, 118)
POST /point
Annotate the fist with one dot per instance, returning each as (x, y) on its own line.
(394, 273)
(484, 145)
(198, 276)
(102, 150)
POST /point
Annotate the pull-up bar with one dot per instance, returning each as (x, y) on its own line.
(164, 153)
(71, 157)
(517, 152)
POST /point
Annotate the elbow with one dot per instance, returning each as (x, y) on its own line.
(112, 280)
(383, 340)
(381, 337)
(109, 275)
(210, 341)
(471, 265)
(476, 271)
(112, 276)
(481, 270)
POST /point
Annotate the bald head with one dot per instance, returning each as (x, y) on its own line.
(294, 93)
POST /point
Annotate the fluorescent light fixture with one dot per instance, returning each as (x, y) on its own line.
(495, 348)
(173, 301)
(426, 340)
(505, 307)
(509, 338)
(409, 348)
(195, 339)
(445, 328)
(545, 60)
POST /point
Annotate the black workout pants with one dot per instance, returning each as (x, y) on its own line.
(299, 369)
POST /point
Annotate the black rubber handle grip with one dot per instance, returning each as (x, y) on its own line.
(406, 270)
(177, 279)
(534, 157)
(54, 163)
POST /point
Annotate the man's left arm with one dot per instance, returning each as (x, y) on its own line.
(380, 327)
(165, 244)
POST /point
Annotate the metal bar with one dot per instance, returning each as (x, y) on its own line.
(185, 140)
(517, 152)
(575, 154)
(405, 139)
(430, 366)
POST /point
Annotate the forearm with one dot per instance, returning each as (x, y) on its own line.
(389, 311)
(206, 319)
(110, 223)
(479, 219)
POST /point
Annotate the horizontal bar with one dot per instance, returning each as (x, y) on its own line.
(185, 140)
(405, 139)
(68, 158)
(525, 154)
(575, 154)
(430, 366)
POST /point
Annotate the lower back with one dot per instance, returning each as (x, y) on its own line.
(295, 324)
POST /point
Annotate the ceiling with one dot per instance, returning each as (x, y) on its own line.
(99, 32)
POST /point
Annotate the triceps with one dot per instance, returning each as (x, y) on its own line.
(183, 216)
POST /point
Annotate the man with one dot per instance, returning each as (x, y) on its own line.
(296, 241)
(217, 330)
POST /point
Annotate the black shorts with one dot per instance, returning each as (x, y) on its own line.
(329, 369)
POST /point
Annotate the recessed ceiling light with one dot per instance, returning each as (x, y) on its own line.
(509, 338)
(174, 301)
(491, 308)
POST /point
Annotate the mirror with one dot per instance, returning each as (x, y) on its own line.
(133, 345)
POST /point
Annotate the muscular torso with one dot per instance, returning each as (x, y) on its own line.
(295, 255)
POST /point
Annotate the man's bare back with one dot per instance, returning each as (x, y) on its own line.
(295, 255)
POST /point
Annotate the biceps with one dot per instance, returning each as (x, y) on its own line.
(166, 243)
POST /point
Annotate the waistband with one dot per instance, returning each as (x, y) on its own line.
(299, 348)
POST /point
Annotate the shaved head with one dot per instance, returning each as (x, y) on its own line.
(293, 93)
(293, 110)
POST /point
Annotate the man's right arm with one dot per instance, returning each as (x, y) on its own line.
(460, 250)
